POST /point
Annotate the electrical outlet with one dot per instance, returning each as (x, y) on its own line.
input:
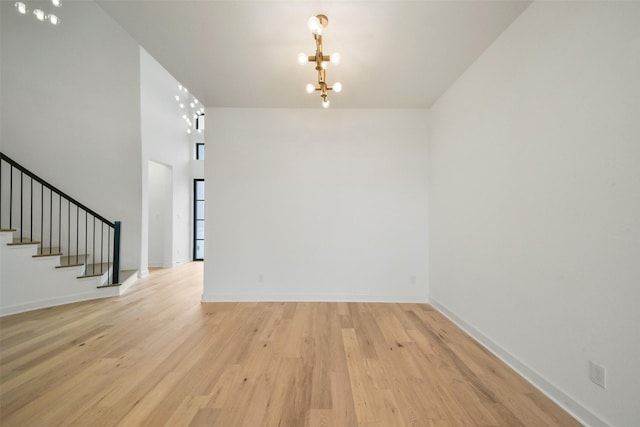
(598, 374)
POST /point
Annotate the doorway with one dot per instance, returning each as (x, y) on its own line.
(160, 190)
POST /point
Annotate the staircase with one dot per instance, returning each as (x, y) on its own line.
(53, 249)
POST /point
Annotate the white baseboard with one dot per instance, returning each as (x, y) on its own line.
(313, 298)
(50, 302)
(567, 403)
(128, 282)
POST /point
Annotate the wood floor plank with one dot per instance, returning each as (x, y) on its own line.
(205, 417)
(158, 356)
(361, 384)
(320, 418)
(186, 411)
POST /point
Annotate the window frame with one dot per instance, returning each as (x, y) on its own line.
(195, 218)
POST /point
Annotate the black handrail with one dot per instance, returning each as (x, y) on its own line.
(51, 187)
(47, 230)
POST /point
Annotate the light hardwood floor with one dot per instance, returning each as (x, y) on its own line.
(157, 356)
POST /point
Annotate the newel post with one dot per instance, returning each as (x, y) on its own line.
(116, 252)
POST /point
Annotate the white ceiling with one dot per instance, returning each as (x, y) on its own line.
(395, 54)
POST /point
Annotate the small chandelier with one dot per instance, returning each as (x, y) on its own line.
(316, 24)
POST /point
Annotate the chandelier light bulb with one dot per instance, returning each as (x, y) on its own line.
(310, 88)
(314, 25)
(177, 98)
(195, 100)
(179, 86)
(54, 19)
(302, 58)
(192, 105)
(188, 130)
(40, 16)
(21, 7)
(56, 3)
(337, 87)
(325, 103)
(335, 58)
(181, 105)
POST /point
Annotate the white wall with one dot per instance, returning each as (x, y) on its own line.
(534, 215)
(71, 110)
(165, 141)
(315, 205)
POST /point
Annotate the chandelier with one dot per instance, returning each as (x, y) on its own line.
(317, 24)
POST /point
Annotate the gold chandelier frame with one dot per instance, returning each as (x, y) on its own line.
(316, 25)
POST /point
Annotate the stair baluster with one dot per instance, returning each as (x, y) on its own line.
(105, 255)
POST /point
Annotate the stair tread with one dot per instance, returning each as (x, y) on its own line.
(43, 252)
(24, 241)
(72, 261)
(92, 270)
(113, 285)
(127, 275)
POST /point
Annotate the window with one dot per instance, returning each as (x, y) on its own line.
(198, 219)
(200, 151)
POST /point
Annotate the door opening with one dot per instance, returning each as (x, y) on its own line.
(160, 215)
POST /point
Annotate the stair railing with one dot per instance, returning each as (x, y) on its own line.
(45, 214)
